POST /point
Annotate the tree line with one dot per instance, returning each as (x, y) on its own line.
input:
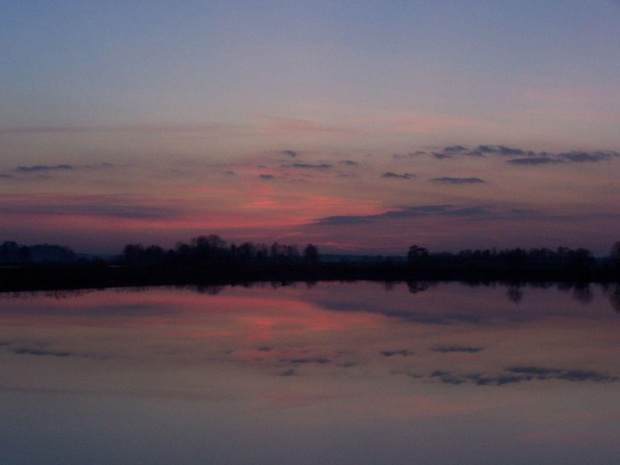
(213, 250)
(562, 258)
(13, 253)
(210, 260)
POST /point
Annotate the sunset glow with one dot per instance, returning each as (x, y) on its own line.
(362, 127)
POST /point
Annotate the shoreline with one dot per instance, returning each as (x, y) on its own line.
(98, 275)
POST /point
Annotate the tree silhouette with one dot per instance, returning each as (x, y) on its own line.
(614, 299)
(311, 254)
(515, 294)
(614, 255)
(416, 255)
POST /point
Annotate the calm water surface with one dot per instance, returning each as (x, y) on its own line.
(333, 374)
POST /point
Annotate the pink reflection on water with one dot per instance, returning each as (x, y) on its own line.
(362, 366)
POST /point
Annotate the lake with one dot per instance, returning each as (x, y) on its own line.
(331, 373)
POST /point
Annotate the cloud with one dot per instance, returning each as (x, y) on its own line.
(545, 158)
(290, 153)
(406, 315)
(308, 166)
(448, 349)
(266, 176)
(497, 380)
(534, 161)
(404, 212)
(112, 211)
(39, 349)
(449, 180)
(447, 378)
(524, 211)
(348, 163)
(501, 150)
(523, 374)
(390, 174)
(542, 373)
(455, 149)
(518, 156)
(345, 219)
(26, 170)
(38, 168)
(533, 370)
(309, 360)
(510, 152)
(89, 206)
(95, 311)
(409, 212)
(584, 157)
(485, 149)
(586, 375)
(5, 176)
(391, 353)
(42, 349)
(425, 318)
(471, 211)
(40, 352)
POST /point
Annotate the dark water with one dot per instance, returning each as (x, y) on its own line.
(334, 374)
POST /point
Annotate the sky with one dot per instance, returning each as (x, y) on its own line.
(361, 127)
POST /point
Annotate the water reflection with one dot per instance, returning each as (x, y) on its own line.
(614, 298)
(515, 293)
(581, 292)
(331, 373)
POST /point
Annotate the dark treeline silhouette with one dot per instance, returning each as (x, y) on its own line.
(210, 260)
(12, 253)
(514, 260)
(212, 251)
